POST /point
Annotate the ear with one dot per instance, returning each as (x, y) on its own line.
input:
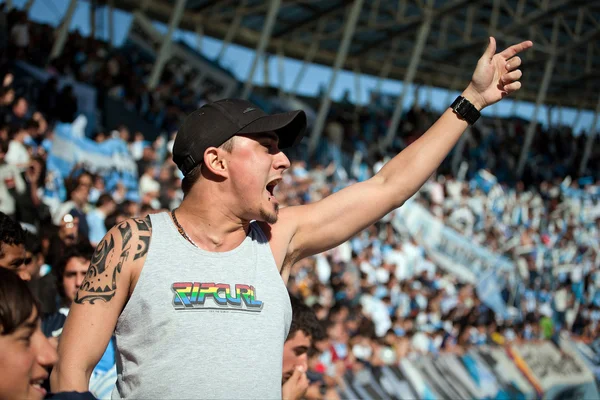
(215, 162)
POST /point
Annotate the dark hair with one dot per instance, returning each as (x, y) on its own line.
(104, 198)
(83, 250)
(11, 232)
(192, 177)
(304, 319)
(16, 302)
(4, 146)
(73, 181)
(33, 244)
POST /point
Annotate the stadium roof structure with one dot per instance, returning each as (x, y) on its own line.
(431, 42)
(384, 42)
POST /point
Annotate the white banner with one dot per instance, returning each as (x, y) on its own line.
(446, 247)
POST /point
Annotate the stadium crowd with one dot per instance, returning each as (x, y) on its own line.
(379, 296)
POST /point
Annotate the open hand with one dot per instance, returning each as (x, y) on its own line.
(496, 75)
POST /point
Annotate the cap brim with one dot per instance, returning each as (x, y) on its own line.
(289, 126)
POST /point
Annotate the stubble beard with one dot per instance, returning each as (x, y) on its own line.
(270, 217)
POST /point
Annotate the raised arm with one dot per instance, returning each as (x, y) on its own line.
(331, 221)
(93, 316)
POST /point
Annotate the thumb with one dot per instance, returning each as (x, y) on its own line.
(491, 49)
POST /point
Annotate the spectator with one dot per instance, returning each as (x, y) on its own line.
(69, 273)
(26, 354)
(12, 247)
(78, 192)
(17, 117)
(17, 153)
(11, 182)
(97, 217)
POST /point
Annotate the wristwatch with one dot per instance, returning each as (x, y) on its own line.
(465, 110)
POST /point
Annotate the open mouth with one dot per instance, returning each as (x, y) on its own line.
(37, 384)
(271, 186)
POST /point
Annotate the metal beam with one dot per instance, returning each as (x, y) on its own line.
(540, 99)
(232, 31)
(387, 65)
(409, 77)
(590, 140)
(93, 5)
(165, 47)
(199, 36)
(340, 59)
(357, 84)
(28, 5)
(281, 70)
(262, 45)
(445, 10)
(308, 57)
(313, 18)
(63, 31)
(530, 20)
(197, 5)
(111, 22)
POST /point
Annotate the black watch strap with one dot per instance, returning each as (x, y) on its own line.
(465, 110)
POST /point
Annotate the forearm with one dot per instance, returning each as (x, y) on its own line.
(67, 379)
(411, 168)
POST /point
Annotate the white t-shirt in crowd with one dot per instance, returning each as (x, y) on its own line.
(560, 300)
(17, 155)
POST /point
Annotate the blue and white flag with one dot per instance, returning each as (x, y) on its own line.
(110, 159)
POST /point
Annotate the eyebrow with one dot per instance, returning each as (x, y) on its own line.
(267, 135)
(30, 325)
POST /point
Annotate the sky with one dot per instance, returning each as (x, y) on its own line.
(238, 60)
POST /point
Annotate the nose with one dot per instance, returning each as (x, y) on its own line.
(79, 281)
(303, 361)
(282, 161)
(46, 354)
(24, 274)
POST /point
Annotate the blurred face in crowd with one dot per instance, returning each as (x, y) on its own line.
(255, 166)
(73, 276)
(31, 264)
(20, 108)
(12, 256)
(8, 98)
(294, 354)
(26, 354)
(81, 194)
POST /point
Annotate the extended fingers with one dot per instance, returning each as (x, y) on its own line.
(513, 63)
(511, 77)
(513, 87)
(517, 48)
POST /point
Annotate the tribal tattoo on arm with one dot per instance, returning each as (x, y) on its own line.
(133, 239)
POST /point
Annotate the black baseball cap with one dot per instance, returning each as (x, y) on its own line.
(215, 123)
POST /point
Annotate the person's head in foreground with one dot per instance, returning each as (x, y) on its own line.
(12, 247)
(25, 353)
(230, 151)
(305, 329)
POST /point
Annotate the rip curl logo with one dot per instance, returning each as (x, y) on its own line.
(211, 296)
